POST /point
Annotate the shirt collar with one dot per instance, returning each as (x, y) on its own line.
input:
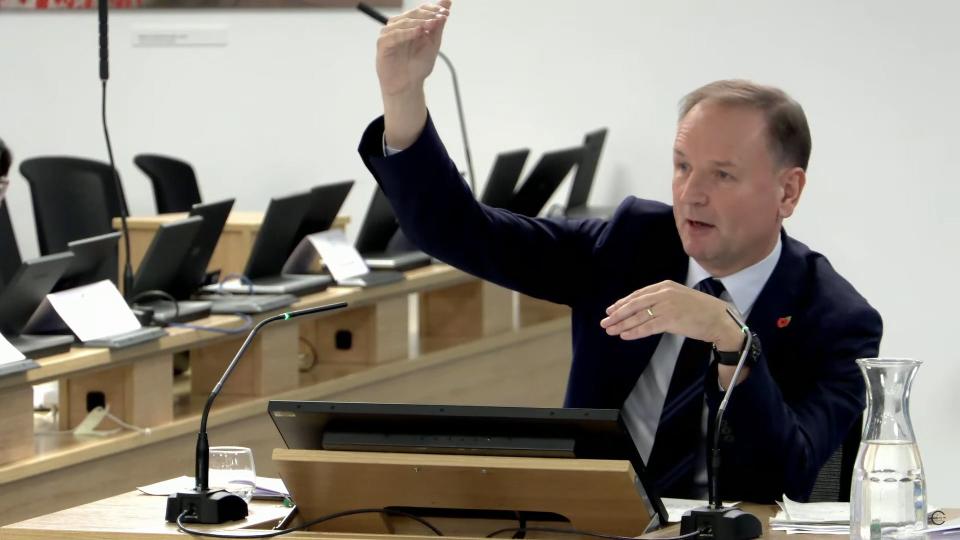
(744, 286)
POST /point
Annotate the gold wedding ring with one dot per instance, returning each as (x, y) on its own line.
(650, 312)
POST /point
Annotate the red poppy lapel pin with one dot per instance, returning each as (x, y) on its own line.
(783, 322)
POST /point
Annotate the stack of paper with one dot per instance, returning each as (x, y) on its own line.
(266, 488)
(814, 518)
(829, 518)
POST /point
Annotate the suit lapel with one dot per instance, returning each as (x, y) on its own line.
(776, 306)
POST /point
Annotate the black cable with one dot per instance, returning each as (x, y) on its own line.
(585, 533)
(127, 277)
(308, 524)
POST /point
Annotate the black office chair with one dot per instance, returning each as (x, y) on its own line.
(73, 198)
(833, 481)
(174, 182)
(9, 251)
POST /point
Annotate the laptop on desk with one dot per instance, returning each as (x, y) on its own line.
(325, 203)
(158, 270)
(23, 295)
(583, 179)
(503, 178)
(382, 243)
(544, 180)
(274, 242)
(94, 259)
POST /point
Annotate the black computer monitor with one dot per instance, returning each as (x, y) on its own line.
(545, 178)
(277, 235)
(503, 178)
(379, 225)
(164, 255)
(192, 272)
(325, 203)
(587, 168)
(458, 430)
(94, 259)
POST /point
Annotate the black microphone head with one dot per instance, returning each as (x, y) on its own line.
(374, 14)
(102, 17)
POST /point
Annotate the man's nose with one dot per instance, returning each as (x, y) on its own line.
(693, 189)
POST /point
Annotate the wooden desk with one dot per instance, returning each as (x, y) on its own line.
(233, 248)
(134, 516)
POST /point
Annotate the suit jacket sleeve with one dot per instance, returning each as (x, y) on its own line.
(545, 258)
(779, 439)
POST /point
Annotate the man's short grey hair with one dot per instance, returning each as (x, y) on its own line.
(787, 129)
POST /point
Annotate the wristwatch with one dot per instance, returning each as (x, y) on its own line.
(732, 358)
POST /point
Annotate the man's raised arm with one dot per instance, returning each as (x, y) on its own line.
(406, 53)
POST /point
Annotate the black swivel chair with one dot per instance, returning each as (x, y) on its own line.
(73, 198)
(9, 251)
(174, 182)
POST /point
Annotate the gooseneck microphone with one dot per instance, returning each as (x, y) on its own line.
(127, 277)
(382, 19)
(104, 34)
(203, 505)
(714, 521)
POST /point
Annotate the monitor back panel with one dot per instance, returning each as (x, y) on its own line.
(27, 289)
(545, 178)
(587, 168)
(379, 225)
(190, 276)
(277, 236)
(94, 259)
(503, 178)
(325, 202)
(164, 255)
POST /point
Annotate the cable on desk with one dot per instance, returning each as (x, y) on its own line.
(311, 523)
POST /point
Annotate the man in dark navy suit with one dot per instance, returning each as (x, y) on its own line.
(656, 291)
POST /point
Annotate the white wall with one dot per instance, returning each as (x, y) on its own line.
(282, 106)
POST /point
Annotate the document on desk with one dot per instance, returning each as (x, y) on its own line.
(340, 257)
(266, 488)
(825, 518)
(91, 312)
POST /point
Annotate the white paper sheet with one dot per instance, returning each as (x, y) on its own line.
(676, 507)
(9, 353)
(93, 311)
(266, 487)
(339, 255)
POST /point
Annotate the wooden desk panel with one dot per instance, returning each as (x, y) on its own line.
(233, 248)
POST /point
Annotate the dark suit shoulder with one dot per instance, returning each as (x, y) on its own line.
(833, 300)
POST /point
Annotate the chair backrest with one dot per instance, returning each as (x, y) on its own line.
(9, 251)
(174, 182)
(73, 198)
(833, 481)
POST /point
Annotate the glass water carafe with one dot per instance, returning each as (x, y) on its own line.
(888, 495)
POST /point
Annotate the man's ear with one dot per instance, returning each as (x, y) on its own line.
(792, 181)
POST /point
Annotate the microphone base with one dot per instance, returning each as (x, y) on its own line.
(211, 506)
(721, 523)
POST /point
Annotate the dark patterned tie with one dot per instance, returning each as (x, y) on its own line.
(675, 448)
